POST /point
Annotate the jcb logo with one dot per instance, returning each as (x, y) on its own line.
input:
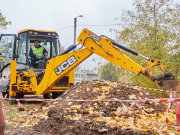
(65, 65)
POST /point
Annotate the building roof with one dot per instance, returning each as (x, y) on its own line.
(89, 72)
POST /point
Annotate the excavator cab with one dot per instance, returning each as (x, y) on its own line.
(17, 47)
(47, 39)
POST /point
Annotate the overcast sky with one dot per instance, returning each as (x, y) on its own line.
(58, 14)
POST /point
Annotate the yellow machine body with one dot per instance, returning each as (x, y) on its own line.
(63, 65)
(58, 74)
(24, 81)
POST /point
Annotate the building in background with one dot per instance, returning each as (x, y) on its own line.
(85, 75)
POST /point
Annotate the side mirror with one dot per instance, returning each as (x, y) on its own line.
(0, 38)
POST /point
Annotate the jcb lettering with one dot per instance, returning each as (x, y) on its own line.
(71, 60)
(59, 70)
(65, 65)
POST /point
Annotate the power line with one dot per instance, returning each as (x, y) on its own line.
(101, 25)
(92, 25)
(65, 27)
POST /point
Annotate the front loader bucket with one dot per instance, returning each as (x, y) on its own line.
(172, 85)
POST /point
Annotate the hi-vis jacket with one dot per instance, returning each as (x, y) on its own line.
(39, 50)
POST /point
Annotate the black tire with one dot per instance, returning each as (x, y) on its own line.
(55, 95)
(6, 93)
(71, 85)
(20, 95)
(47, 95)
(11, 102)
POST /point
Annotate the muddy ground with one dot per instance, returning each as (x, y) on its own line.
(79, 118)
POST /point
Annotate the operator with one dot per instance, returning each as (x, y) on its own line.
(37, 52)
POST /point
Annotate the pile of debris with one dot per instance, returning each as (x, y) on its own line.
(99, 117)
(103, 117)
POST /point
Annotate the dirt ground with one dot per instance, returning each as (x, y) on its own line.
(110, 118)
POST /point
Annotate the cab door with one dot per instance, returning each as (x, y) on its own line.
(7, 49)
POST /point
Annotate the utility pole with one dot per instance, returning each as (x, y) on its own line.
(75, 19)
(75, 22)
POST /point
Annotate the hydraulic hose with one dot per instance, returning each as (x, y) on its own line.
(70, 48)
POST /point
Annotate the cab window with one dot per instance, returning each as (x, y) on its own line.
(22, 48)
(46, 45)
(6, 49)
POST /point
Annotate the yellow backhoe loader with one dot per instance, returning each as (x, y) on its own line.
(26, 79)
(13, 47)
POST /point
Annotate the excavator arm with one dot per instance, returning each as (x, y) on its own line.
(109, 49)
(58, 67)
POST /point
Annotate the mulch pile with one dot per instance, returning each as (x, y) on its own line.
(96, 118)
